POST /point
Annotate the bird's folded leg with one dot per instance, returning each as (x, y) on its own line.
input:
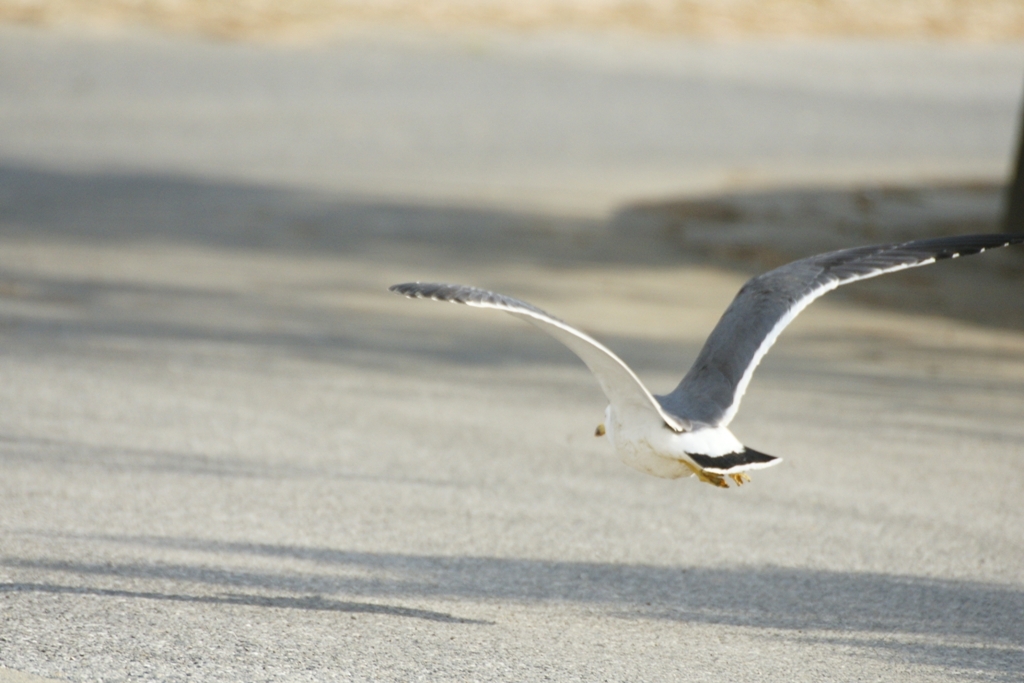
(713, 479)
(740, 478)
(707, 477)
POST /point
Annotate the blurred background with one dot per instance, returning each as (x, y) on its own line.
(749, 132)
(984, 20)
(227, 453)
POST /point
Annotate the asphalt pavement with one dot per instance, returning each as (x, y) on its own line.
(227, 453)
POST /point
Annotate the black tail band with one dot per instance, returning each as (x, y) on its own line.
(748, 458)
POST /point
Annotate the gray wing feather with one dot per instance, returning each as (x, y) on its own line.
(622, 387)
(711, 390)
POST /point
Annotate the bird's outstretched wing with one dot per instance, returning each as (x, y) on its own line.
(711, 390)
(622, 387)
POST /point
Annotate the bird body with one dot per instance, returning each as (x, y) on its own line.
(651, 447)
(685, 432)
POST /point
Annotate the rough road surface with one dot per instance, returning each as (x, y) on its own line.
(228, 454)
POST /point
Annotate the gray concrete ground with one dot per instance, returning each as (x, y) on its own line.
(227, 454)
(574, 123)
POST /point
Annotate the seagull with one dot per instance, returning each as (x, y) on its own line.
(686, 432)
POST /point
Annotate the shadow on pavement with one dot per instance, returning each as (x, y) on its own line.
(176, 209)
(65, 454)
(941, 622)
(750, 231)
(313, 602)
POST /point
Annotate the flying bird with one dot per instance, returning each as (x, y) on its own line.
(686, 432)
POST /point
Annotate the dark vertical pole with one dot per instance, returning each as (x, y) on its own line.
(1013, 218)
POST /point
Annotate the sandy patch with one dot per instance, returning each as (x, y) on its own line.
(973, 20)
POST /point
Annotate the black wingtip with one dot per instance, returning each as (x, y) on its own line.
(415, 290)
(967, 245)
